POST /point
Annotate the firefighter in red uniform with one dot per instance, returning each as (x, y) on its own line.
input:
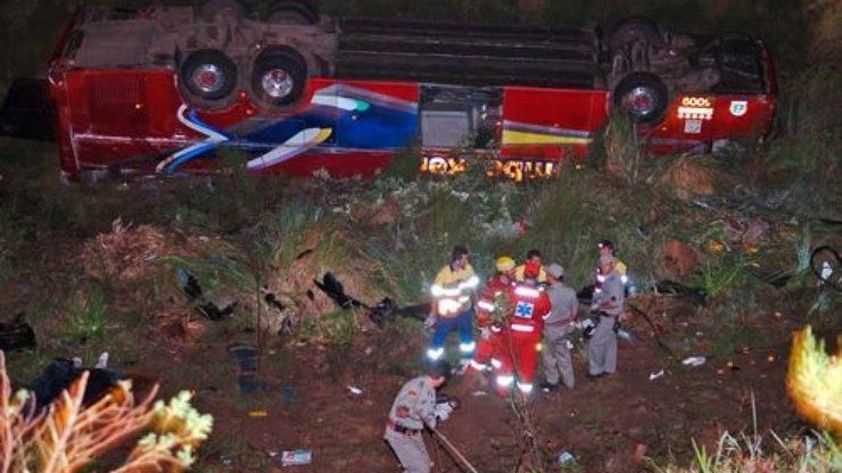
(521, 338)
(489, 339)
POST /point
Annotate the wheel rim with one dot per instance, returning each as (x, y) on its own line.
(277, 83)
(641, 101)
(208, 78)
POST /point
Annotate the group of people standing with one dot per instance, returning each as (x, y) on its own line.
(523, 313)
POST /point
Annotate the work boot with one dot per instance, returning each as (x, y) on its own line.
(549, 387)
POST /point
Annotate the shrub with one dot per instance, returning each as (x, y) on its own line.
(70, 436)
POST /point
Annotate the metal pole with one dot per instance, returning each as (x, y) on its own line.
(454, 450)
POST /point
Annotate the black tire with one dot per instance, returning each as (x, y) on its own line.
(292, 12)
(633, 29)
(211, 8)
(288, 87)
(827, 260)
(203, 90)
(643, 96)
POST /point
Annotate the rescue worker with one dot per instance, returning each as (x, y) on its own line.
(608, 304)
(414, 409)
(521, 341)
(606, 248)
(532, 256)
(486, 308)
(557, 328)
(452, 308)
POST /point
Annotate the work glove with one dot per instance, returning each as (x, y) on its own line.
(485, 333)
(443, 410)
(429, 322)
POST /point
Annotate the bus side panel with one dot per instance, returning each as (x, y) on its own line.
(695, 122)
(358, 126)
(550, 124)
(116, 115)
(136, 119)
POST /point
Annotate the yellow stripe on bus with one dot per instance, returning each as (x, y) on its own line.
(511, 137)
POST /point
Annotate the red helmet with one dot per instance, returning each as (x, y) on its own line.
(531, 270)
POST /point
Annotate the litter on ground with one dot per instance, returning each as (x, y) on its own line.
(296, 457)
(694, 361)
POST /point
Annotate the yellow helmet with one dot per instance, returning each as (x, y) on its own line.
(505, 263)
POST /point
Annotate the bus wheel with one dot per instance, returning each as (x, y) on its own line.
(633, 29)
(278, 76)
(643, 96)
(208, 77)
(291, 12)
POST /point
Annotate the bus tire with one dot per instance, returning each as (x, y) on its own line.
(642, 95)
(633, 29)
(292, 12)
(278, 76)
(208, 77)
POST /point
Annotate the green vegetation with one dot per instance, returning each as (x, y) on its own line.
(390, 236)
(743, 454)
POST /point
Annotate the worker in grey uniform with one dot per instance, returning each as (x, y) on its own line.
(414, 409)
(608, 303)
(557, 328)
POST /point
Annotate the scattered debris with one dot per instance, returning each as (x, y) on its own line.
(189, 285)
(333, 288)
(715, 246)
(286, 316)
(17, 335)
(566, 458)
(287, 395)
(258, 413)
(693, 295)
(354, 391)
(825, 261)
(247, 357)
(61, 373)
(655, 375)
(296, 457)
(382, 313)
(248, 383)
(694, 361)
(452, 401)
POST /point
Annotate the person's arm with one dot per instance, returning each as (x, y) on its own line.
(425, 408)
(574, 308)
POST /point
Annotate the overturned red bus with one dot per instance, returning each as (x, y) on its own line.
(167, 89)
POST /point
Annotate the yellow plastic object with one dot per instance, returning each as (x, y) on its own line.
(714, 246)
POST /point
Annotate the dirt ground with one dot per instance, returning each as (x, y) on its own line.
(610, 425)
